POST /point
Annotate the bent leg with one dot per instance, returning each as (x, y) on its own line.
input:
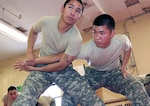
(33, 86)
(67, 100)
(130, 87)
(146, 81)
(78, 88)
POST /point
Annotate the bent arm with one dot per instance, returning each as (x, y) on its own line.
(65, 61)
(31, 41)
(125, 59)
(49, 59)
(124, 63)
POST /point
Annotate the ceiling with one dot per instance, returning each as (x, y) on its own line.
(23, 13)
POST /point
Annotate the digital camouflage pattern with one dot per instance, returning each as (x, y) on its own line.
(68, 80)
(113, 80)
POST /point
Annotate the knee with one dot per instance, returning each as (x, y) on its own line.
(135, 84)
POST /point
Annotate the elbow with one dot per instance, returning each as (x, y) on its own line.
(62, 67)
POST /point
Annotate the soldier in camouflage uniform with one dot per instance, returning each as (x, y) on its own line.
(103, 53)
(59, 35)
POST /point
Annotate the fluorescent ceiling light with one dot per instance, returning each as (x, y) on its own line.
(12, 32)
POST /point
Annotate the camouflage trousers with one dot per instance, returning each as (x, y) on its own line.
(68, 80)
(146, 81)
(113, 80)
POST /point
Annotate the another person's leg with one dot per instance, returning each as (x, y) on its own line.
(77, 88)
(130, 87)
(147, 87)
(147, 84)
(67, 100)
(146, 81)
(32, 88)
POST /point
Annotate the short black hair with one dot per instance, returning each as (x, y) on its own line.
(80, 1)
(105, 19)
(12, 88)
